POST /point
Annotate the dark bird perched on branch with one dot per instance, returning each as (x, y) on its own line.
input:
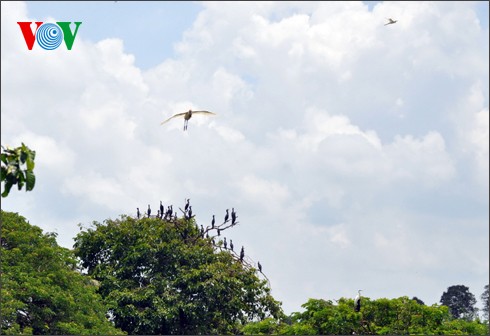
(212, 223)
(224, 243)
(357, 301)
(233, 216)
(231, 244)
(187, 115)
(189, 212)
(161, 209)
(202, 231)
(260, 266)
(242, 254)
(227, 216)
(186, 204)
(138, 214)
(170, 212)
(219, 232)
(148, 211)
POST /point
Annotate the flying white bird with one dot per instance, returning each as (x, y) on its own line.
(187, 115)
(390, 21)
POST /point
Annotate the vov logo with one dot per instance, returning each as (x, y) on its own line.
(49, 35)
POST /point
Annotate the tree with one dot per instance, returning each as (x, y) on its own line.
(416, 299)
(162, 276)
(400, 316)
(460, 301)
(42, 291)
(12, 171)
(484, 299)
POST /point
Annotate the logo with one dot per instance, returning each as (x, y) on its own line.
(49, 35)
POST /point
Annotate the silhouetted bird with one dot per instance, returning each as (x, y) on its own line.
(161, 208)
(233, 216)
(212, 223)
(226, 216)
(219, 232)
(224, 243)
(260, 266)
(138, 214)
(149, 211)
(169, 212)
(187, 115)
(186, 204)
(390, 21)
(231, 244)
(189, 212)
(357, 301)
(202, 231)
(242, 254)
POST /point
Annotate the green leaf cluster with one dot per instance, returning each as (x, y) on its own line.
(400, 316)
(42, 291)
(163, 277)
(12, 171)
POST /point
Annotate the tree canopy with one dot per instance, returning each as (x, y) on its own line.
(42, 291)
(461, 302)
(376, 317)
(162, 276)
(486, 304)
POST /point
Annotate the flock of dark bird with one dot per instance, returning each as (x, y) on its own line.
(230, 220)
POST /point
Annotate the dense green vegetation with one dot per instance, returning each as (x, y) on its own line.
(164, 277)
(401, 316)
(158, 276)
(42, 291)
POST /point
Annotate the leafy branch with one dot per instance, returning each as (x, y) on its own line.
(12, 168)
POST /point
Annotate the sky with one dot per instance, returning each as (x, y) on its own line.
(355, 154)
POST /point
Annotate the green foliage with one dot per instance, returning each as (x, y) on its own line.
(399, 316)
(460, 301)
(42, 292)
(162, 277)
(11, 168)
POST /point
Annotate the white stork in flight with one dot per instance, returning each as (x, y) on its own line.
(187, 115)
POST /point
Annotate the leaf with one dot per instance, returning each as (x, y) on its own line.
(30, 180)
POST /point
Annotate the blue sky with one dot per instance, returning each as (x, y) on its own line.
(355, 153)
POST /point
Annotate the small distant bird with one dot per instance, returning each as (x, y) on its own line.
(227, 216)
(219, 232)
(187, 115)
(233, 216)
(149, 211)
(231, 244)
(357, 301)
(224, 243)
(212, 223)
(186, 204)
(260, 266)
(190, 212)
(161, 208)
(242, 254)
(390, 21)
(138, 214)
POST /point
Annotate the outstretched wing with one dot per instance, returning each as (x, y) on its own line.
(203, 112)
(174, 116)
